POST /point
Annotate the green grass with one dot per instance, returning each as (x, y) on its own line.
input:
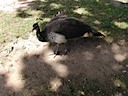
(13, 26)
(17, 24)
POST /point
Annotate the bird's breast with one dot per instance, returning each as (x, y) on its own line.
(57, 38)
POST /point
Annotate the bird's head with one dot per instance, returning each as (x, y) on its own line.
(35, 27)
(40, 35)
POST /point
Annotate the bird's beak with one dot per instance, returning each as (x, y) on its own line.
(32, 29)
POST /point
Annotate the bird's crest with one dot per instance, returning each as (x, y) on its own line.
(60, 14)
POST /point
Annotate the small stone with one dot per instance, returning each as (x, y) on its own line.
(69, 80)
(11, 65)
(124, 71)
(98, 91)
(82, 93)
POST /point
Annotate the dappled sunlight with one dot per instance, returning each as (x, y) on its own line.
(55, 83)
(120, 57)
(117, 67)
(13, 74)
(60, 69)
(44, 58)
(119, 54)
(11, 66)
(116, 48)
(97, 22)
(109, 39)
(14, 78)
(88, 55)
(118, 83)
(15, 82)
(82, 11)
(118, 94)
(43, 0)
(39, 67)
(46, 19)
(55, 6)
(122, 25)
(124, 1)
(122, 42)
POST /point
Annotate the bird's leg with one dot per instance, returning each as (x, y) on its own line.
(56, 51)
(66, 50)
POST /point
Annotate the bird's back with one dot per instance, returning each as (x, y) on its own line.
(68, 26)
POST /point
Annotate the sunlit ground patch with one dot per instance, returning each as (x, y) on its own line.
(82, 11)
(122, 25)
(55, 84)
(56, 6)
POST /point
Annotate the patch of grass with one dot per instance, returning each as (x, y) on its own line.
(13, 26)
(19, 23)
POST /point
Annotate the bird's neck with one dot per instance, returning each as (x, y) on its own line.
(38, 34)
(41, 35)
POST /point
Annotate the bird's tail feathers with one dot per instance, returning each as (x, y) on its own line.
(96, 33)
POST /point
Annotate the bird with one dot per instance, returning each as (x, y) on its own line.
(62, 28)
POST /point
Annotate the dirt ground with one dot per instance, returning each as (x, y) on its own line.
(28, 66)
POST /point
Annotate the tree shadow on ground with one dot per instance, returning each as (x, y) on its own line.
(23, 14)
(90, 64)
(90, 68)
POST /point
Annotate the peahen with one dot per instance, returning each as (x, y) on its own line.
(61, 28)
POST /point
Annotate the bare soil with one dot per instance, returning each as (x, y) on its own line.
(28, 66)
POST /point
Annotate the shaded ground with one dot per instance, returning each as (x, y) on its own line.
(93, 67)
(29, 69)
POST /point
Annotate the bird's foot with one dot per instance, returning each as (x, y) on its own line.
(60, 53)
(64, 52)
(55, 54)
